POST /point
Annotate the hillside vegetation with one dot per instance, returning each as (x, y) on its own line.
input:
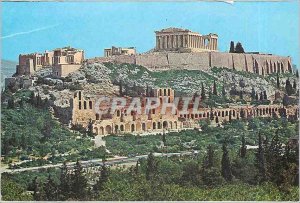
(188, 82)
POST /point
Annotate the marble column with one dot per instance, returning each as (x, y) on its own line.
(157, 42)
(166, 42)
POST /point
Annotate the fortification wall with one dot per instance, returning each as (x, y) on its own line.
(256, 63)
(153, 60)
(190, 61)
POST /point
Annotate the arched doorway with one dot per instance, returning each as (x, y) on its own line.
(116, 128)
(101, 130)
(132, 128)
(96, 131)
(108, 129)
(165, 124)
(154, 126)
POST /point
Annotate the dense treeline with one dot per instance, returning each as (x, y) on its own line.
(270, 172)
(30, 134)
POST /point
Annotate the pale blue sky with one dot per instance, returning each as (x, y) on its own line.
(266, 27)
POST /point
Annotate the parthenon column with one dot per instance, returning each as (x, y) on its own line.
(193, 41)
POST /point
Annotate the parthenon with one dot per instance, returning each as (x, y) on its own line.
(184, 40)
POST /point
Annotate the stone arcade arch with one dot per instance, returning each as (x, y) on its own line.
(154, 126)
(121, 127)
(108, 129)
(116, 128)
(144, 126)
(158, 125)
(132, 127)
(165, 124)
(101, 130)
(96, 131)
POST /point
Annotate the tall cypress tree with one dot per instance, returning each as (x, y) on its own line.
(215, 88)
(275, 160)
(90, 128)
(103, 178)
(277, 81)
(261, 96)
(50, 188)
(209, 159)
(243, 147)
(64, 187)
(260, 160)
(241, 95)
(203, 96)
(151, 168)
(297, 74)
(121, 88)
(239, 48)
(226, 165)
(36, 191)
(79, 185)
(265, 97)
(253, 94)
(231, 50)
(223, 91)
(295, 84)
(288, 87)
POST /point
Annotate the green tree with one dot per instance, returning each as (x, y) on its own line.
(253, 94)
(90, 128)
(241, 95)
(275, 159)
(285, 100)
(51, 189)
(121, 88)
(223, 91)
(260, 160)
(215, 88)
(239, 48)
(203, 96)
(265, 97)
(225, 164)
(65, 183)
(11, 103)
(261, 96)
(103, 178)
(191, 174)
(295, 85)
(212, 177)
(209, 159)
(151, 168)
(243, 149)
(288, 87)
(277, 81)
(37, 192)
(79, 185)
(231, 50)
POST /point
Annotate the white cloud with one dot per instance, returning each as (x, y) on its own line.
(28, 32)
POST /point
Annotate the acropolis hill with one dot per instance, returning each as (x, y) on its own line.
(175, 48)
(183, 49)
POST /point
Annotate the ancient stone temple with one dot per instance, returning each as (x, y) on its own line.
(184, 40)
